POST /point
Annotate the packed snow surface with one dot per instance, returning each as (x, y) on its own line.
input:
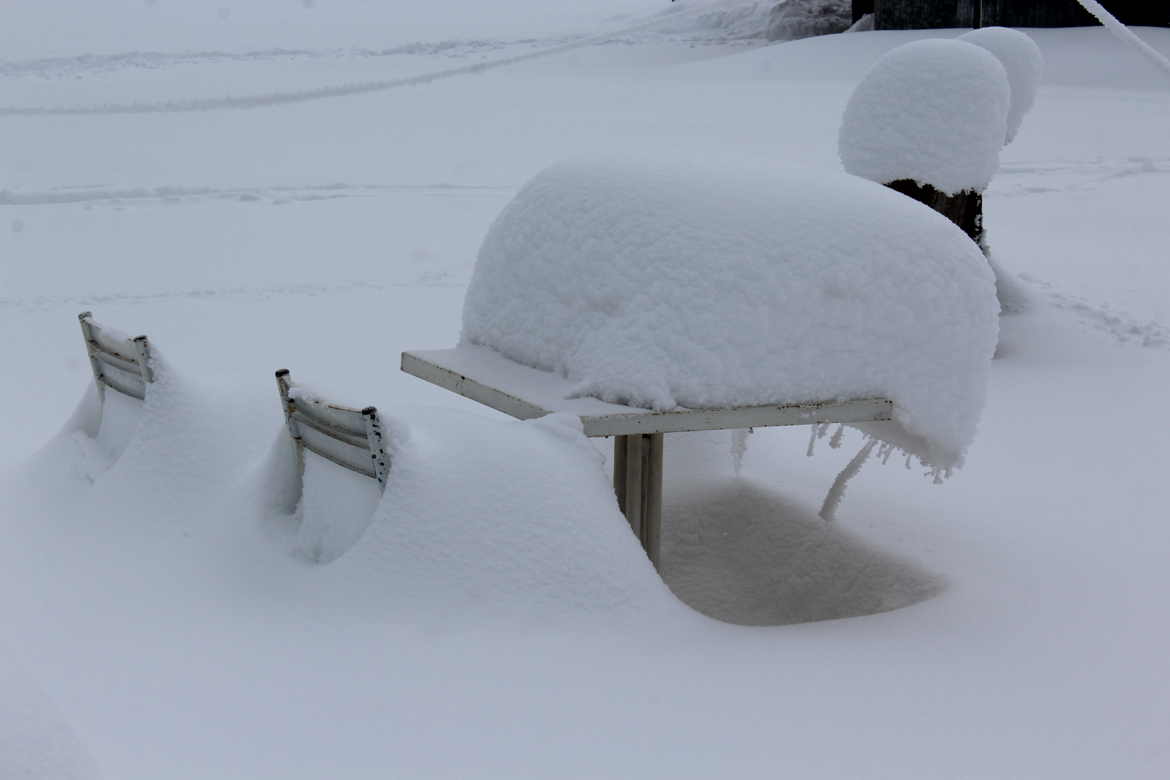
(933, 111)
(1021, 58)
(666, 286)
(35, 740)
(171, 631)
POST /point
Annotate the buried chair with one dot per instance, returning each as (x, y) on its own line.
(351, 438)
(118, 362)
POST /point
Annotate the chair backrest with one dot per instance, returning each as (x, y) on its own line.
(118, 361)
(352, 438)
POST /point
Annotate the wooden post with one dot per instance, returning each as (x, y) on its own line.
(965, 208)
(634, 471)
(619, 471)
(637, 481)
(653, 448)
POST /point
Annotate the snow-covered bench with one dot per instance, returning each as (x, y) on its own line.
(487, 377)
(118, 361)
(351, 438)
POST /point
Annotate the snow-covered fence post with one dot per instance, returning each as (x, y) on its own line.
(964, 208)
(928, 120)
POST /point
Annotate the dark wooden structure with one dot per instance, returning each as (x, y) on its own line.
(920, 14)
(964, 208)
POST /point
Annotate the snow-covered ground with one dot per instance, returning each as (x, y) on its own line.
(496, 618)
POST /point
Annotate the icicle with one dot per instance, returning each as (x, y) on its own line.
(739, 440)
(837, 491)
(885, 452)
(838, 437)
(812, 440)
(909, 458)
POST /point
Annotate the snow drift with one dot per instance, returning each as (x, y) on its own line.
(35, 740)
(660, 286)
(795, 19)
(932, 111)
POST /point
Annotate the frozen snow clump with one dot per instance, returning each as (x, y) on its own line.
(932, 111)
(1021, 58)
(793, 19)
(662, 286)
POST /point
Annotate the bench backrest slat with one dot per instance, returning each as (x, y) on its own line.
(118, 362)
(351, 438)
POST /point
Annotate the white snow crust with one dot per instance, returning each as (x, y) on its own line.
(1023, 62)
(933, 111)
(665, 286)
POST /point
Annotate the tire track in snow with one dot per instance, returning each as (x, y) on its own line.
(90, 195)
(428, 279)
(66, 67)
(1082, 175)
(271, 99)
(1120, 325)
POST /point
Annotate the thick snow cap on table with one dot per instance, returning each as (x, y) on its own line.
(664, 286)
(932, 111)
(1021, 58)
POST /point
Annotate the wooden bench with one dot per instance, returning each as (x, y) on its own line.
(487, 377)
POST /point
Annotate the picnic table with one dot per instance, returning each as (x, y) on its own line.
(484, 375)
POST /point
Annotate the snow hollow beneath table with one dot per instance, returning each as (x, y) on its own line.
(665, 286)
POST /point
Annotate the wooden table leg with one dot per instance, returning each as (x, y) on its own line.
(653, 446)
(637, 480)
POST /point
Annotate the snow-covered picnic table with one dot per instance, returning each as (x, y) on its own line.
(651, 298)
(485, 376)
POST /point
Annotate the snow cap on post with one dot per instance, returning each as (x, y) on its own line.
(1021, 58)
(932, 111)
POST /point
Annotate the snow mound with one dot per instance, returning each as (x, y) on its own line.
(795, 19)
(483, 518)
(727, 19)
(932, 111)
(1021, 58)
(663, 286)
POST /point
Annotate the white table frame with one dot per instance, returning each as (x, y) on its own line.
(487, 377)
